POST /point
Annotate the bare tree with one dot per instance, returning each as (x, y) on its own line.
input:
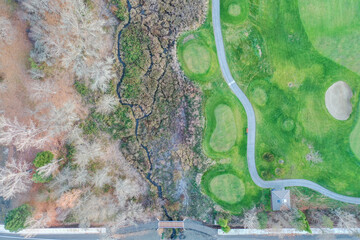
(134, 213)
(37, 222)
(48, 169)
(251, 220)
(41, 90)
(346, 219)
(101, 72)
(21, 136)
(61, 119)
(92, 208)
(6, 31)
(14, 178)
(125, 189)
(62, 182)
(86, 152)
(101, 177)
(81, 177)
(107, 104)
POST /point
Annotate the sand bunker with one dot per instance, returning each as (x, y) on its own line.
(337, 100)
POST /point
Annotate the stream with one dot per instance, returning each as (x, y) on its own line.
(145, 115)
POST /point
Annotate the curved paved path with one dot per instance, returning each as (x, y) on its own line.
(277, 184)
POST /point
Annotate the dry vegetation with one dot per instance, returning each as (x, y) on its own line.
(71, 40)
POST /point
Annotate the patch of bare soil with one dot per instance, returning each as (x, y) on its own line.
(337, 100)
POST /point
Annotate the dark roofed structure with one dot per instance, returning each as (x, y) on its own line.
(280, 200)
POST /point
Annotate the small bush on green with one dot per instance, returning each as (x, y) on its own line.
(269, 157)
(16, 218)
(43, 158)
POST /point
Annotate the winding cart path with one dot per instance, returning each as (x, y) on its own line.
(276, 184)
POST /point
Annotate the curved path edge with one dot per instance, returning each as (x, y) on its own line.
(276, 184)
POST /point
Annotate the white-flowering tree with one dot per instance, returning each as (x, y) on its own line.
(14, 178)
(107, 104)
(20, 135)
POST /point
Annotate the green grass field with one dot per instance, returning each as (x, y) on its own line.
(228, 188)
(355, 137)
(286, 78)
(234, 11)
(228, 183)
(197, 58)
(197, 55)
(222, 138)
(333, 27)
(273, 59)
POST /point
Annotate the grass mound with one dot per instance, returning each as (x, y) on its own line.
(234, 11)
(259, 96)
(197, 58)
(228, 188)
(224, 136)
(288, 125)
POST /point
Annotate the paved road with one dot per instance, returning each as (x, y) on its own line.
(276, 184)
(6, 236)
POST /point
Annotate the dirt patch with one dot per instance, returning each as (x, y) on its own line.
(337, 100)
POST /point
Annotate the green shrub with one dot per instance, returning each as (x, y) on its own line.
(37, 178)
(269, 157)
(43, 158)
(263, 219)
(89, 127)
(301, 222)
(70, 151)
(33, 64)
(15, 219)
(121, 9)
(81, 88)
(224, 225)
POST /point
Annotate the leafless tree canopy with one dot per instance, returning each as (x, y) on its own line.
(14, 178)
(78, 39)
(107, 104)
(20, 135)
(251, 220)
(6, 31)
